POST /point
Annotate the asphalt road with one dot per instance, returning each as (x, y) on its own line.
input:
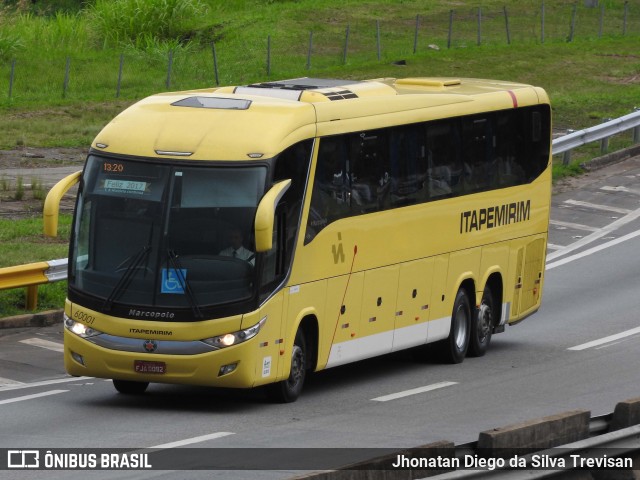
(579, 352)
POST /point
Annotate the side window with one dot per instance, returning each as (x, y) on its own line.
(408, 163)
(369, 172)
(477, 154)
(444, 166)
(331, 193)
(509, 169)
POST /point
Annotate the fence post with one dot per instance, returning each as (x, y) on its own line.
(11, 76)
(346, 45)
(479, 41)
(574, 11)
(268, 55)
(542, 22)
(506, 24)
(169, 67)
(215, 62)
(120, 75)
(415, 36)
(378, 37)
(601, 24)
(636, 130)
(310, 49)
(66, 77)
(450, 28)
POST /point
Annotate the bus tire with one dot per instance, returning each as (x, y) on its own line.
(456, 345)
(130, 388)
(287, 391)
(482, 325)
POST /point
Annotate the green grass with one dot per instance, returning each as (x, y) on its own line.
(22, 242)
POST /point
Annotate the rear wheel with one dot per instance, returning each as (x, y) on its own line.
(130, 388)
(454, 348)
(287, 391)
(482, 325)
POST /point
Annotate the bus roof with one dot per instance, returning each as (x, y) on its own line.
(260, 120)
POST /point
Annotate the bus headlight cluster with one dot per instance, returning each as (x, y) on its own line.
(234, 338)
(80, 329)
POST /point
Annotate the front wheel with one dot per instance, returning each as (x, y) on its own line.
(454, 348)
(130, 388)
(287, 391)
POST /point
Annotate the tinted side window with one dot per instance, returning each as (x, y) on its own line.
(377, 170)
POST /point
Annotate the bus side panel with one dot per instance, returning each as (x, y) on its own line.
(441, 304)
(269, 362)
(303, 300)
(378, 305)
(412, 308)
(495, 259)
(529, 276)
(342, 312)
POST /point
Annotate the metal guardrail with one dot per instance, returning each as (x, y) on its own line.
(601, 132)
(31, 276)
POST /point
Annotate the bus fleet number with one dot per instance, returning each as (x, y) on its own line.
(83, 317)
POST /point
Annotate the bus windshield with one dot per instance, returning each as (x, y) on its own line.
(165, 236)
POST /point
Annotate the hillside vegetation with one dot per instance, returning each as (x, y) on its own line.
(67, 67)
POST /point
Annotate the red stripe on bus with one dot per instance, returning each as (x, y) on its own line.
(513, 98)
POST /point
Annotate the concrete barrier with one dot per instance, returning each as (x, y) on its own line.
(626, 414)
(537, 434)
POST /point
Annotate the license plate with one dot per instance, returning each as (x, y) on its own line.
(144, 366)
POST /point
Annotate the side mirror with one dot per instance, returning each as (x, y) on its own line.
(52, 203)
(265, 215)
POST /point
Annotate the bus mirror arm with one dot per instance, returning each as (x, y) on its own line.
(52, 202)
(265, 215)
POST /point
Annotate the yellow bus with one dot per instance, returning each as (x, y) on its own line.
(246, 236)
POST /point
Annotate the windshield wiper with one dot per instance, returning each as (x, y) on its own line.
(175, 264)
(135, 261)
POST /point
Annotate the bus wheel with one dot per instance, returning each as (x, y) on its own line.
(289, 390)
(130, 388)
(455, 347)
(482, 325)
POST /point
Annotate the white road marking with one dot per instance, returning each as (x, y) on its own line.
(44, 383)
(551, 246)
(575, 226)
(413, 391)
(29, 397)
(610, 338)
(596, 206)
(620, 189)
(604, 231)
(189, 441)
(590, 251)
(5, 382)
(39, 342)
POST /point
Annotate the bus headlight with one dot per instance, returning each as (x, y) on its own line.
(229, 339)
(80, 329)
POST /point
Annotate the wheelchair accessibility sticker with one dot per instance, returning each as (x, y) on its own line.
(173, 280)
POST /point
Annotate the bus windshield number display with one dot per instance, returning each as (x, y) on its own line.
(113, 167)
